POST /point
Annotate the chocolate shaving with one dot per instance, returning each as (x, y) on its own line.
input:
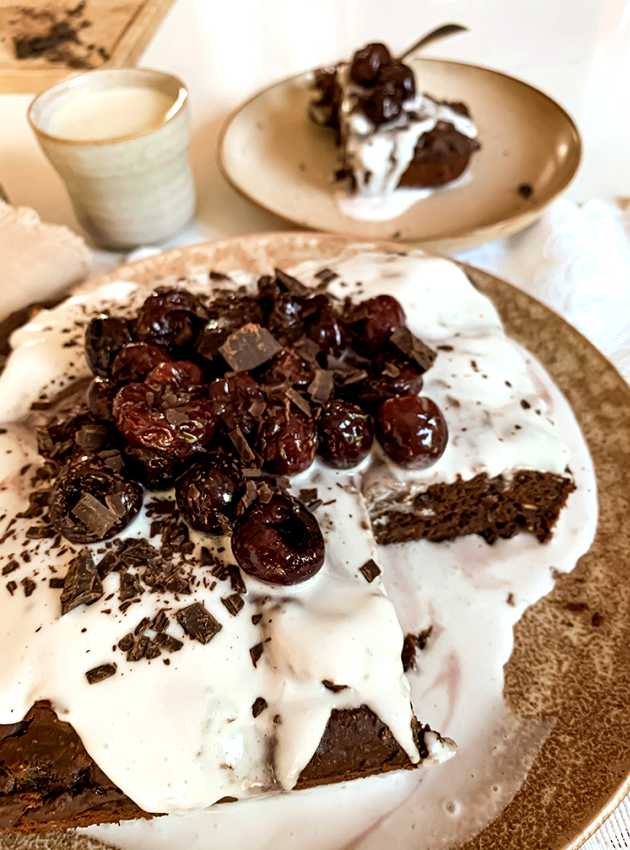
(82, 585)
(12, 586)
(55, 583)
(129, 586)
(10, 568)
(331, 686)
(198, 623)
(326, 275)
(94, 515)
(290, 283)
(98, 674)
(29, 586)
(413, 348)
(256, 618)
(233, 603)
(249, 347)
(370, 570)
(300, 402)
(168, 642)
(160, 621)
(321, 387)
(255, 653)
(411, 645)
(259, 706)
(236, 579)
(245, 451)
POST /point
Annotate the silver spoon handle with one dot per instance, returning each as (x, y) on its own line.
(435, 35)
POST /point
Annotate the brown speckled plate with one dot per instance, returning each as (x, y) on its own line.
(572, 656)
(272, 154)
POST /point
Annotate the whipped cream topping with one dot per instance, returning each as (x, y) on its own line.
(379, 156)
(335, 627)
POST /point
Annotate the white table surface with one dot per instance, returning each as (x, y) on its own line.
(578, 51)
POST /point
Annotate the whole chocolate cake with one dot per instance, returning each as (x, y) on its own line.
(194, 483)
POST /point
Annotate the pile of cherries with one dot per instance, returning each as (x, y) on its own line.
(385, 84)
(168, 406)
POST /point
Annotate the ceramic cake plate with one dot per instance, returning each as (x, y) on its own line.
(272, 154)
(570, 668)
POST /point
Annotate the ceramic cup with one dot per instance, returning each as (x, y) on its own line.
(127, 189)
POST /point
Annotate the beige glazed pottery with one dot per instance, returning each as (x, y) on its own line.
(127, 190)
(272, 154)
(571, 664)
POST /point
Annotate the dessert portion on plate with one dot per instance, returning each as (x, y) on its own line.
(194, 483)
(389, 134)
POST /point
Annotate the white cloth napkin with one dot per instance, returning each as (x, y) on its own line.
(576, 259)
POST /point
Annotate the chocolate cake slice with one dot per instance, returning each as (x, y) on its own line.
(389, 135)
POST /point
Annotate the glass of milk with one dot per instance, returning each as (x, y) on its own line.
(119, 139)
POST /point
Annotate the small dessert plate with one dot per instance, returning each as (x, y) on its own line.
(276, 157)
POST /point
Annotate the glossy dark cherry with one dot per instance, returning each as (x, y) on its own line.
(207, 494)
(371, 323)
(383, 104)
(226, 314)
(233, 397)
(346, 434)
(156, 470)
(287, 440)
(367, 63)
(120, 497)
(412, 431)
(170, 317)
(135, 361)
(288, 367)
(401, 76)
(286, 319)
(176, 374)
(322, 325)
(104, 337)
(389, 376)
(100, 398)
(279, 542)
(168, 420)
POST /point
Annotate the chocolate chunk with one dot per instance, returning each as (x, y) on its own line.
(139, 649)
(525, 404)
(98, 674)
(142, 626)
(10, 568)
(255, 652)
(259, 706)
(300, 402)
(95, 516)
(55, 583)
(331, 686)
(82, 585)
(256, 618)
(153, 650)
(413, 348)
(525, 190)
(126, 642)
(11, 587)
(198, 622)
(168, 642)
(321, 387)
(233, 603)
(249, 347)
(217, 276)
(510, 599)
(370, 570)
(29, 586)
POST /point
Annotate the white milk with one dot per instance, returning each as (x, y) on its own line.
(109, 113)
